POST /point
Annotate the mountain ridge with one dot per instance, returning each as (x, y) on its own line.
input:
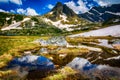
(102, 13)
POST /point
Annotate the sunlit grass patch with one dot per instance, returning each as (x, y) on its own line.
(52, 47)
(74, 51)
(81, 40)
(61, 74)
(11, 46)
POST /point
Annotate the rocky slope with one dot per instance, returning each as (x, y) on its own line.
(103, 13)
(63, 17)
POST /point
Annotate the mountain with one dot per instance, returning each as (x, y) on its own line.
(63, 17)
(60, 19)
(14, 24)
(61, 9)
(103, 13)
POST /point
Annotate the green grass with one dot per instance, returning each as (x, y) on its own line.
(14, 46)
(61, 74)
(8, 43)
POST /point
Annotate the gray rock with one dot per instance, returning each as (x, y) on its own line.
(58, 41)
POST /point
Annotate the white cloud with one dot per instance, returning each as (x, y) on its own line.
(50, 6)
(102, 2)
(12, 11)
(1, 10)
(77, 9)
(28, 11)
(18, 2)
(21, 11)
(107, 2)
(31, 12)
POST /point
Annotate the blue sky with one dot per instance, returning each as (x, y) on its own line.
(40, 7)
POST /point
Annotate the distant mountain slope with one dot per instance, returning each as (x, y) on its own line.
(63, 17)
(102, 13)
(12, 24)
(8, 18)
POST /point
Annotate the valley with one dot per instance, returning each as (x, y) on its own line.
(85, 51)
(61, 45)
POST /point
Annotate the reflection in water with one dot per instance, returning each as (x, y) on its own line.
(83, 65)
(29, 63)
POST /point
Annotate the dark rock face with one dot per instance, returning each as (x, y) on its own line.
(68, 11)
(61, 9)
(102, 13)
(58, 8)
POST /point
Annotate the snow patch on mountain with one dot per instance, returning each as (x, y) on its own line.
(12, 26)
(7, 18)
(15, 25)
(25, 19)
(59, 24)
(118, 13)
(64, 17)
(112, 30)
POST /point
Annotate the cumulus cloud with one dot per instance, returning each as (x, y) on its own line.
(31, 12)
(102, 2)
(28, 11)
(21, 11)
(12, 11)
(50, 6)
(80, 8)
(1, 10)
(18, 2)
(107, 2)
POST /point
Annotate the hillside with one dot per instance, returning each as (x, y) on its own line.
(8, 18)
(60, 45)
(12, 24)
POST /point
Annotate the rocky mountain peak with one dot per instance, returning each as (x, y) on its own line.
(60, 9)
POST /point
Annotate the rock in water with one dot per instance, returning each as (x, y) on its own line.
(81, 64)
(57, 41)
(93, 70)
